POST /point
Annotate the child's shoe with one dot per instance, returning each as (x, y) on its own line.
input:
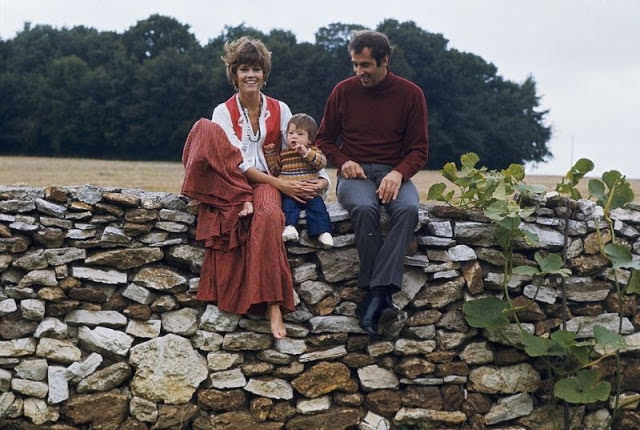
(326, 240)
(290, 233)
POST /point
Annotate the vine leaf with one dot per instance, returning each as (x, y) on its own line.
(536, 346)
(620, 256)
(486, 312)
(586, 387)
(608, 339)
(526, 270)
(551, 264)
(436, 191)
(633, 284)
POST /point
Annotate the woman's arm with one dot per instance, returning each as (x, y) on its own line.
(297, 190)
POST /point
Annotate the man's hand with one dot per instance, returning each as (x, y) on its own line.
(352, 170)
(389, 186)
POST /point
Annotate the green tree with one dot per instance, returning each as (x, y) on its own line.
(82, 92)
(150, 37)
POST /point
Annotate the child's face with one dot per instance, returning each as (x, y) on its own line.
(297, 137)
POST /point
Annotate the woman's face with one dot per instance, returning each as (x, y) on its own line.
(250, 78)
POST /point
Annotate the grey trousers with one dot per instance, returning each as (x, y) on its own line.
(381, 258)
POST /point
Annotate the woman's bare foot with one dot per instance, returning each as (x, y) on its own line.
(247, 209)
(274, 315)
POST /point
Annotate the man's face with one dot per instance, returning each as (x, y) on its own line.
(365, 67)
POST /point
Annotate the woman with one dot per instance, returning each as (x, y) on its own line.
(245, 268)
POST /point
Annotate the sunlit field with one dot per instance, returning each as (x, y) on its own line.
(167, 176)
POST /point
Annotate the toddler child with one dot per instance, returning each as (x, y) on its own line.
(301, 161)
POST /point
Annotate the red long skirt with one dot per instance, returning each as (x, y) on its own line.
(244, 279)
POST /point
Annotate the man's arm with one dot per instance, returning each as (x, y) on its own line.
(416, 137)
(329, 131)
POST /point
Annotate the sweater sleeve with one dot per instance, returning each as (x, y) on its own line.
(316, 158)
(329, 130)
(416, 137)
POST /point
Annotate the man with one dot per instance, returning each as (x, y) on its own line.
(374, 130)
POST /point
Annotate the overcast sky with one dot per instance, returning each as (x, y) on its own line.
(583, 54)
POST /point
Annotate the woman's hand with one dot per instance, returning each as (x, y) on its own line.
(301, 191)
(320, 186)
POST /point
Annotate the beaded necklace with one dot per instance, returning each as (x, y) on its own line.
(247, 123)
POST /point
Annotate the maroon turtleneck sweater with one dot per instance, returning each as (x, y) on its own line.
(384, 124)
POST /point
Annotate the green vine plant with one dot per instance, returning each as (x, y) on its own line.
(502, 196)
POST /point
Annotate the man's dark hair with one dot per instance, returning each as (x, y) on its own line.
(378, 42)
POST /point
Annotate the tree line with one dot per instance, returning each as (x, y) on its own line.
(80, 92)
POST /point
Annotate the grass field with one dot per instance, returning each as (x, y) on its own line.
(167, 176)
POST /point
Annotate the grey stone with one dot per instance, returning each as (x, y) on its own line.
(51, 327)
(273, 388)
(39, 412)
(113, 234)
(125, 259)
(183, 322)
(206, 340)
(327, 354)
(314, 291)
(313, 406)
(217, 361)
(422, 416)
(32, 309)
(461, 253)
(29, 388)
(59, 350)
(213, 319)
(17, 347)
(170, 362)
(31, 261)
(411, 346)
(246, 341)
(304, 272)
(477, 353)
(104, 340)
(541, 294)
(96, 318)
(584, 325)
(143, 409)
(186, 255)
(49, 208)
(145, 329)
(5, 381)
(374, 377)
(45, 278)
(79, 370)
(105, 379)
(339, 265)
(7, 306)
(58, 385)
(112, 277)
(35, 370)
(138, 294)
(227, 379)
(160, 278)
(59, 256)
(508, 408)
(290, 346)
(475, 233)
(507, 380)
(335, 324)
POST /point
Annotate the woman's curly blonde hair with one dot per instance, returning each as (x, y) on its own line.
(245, 51)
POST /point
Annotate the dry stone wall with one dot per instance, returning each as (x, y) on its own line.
(100, 328)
